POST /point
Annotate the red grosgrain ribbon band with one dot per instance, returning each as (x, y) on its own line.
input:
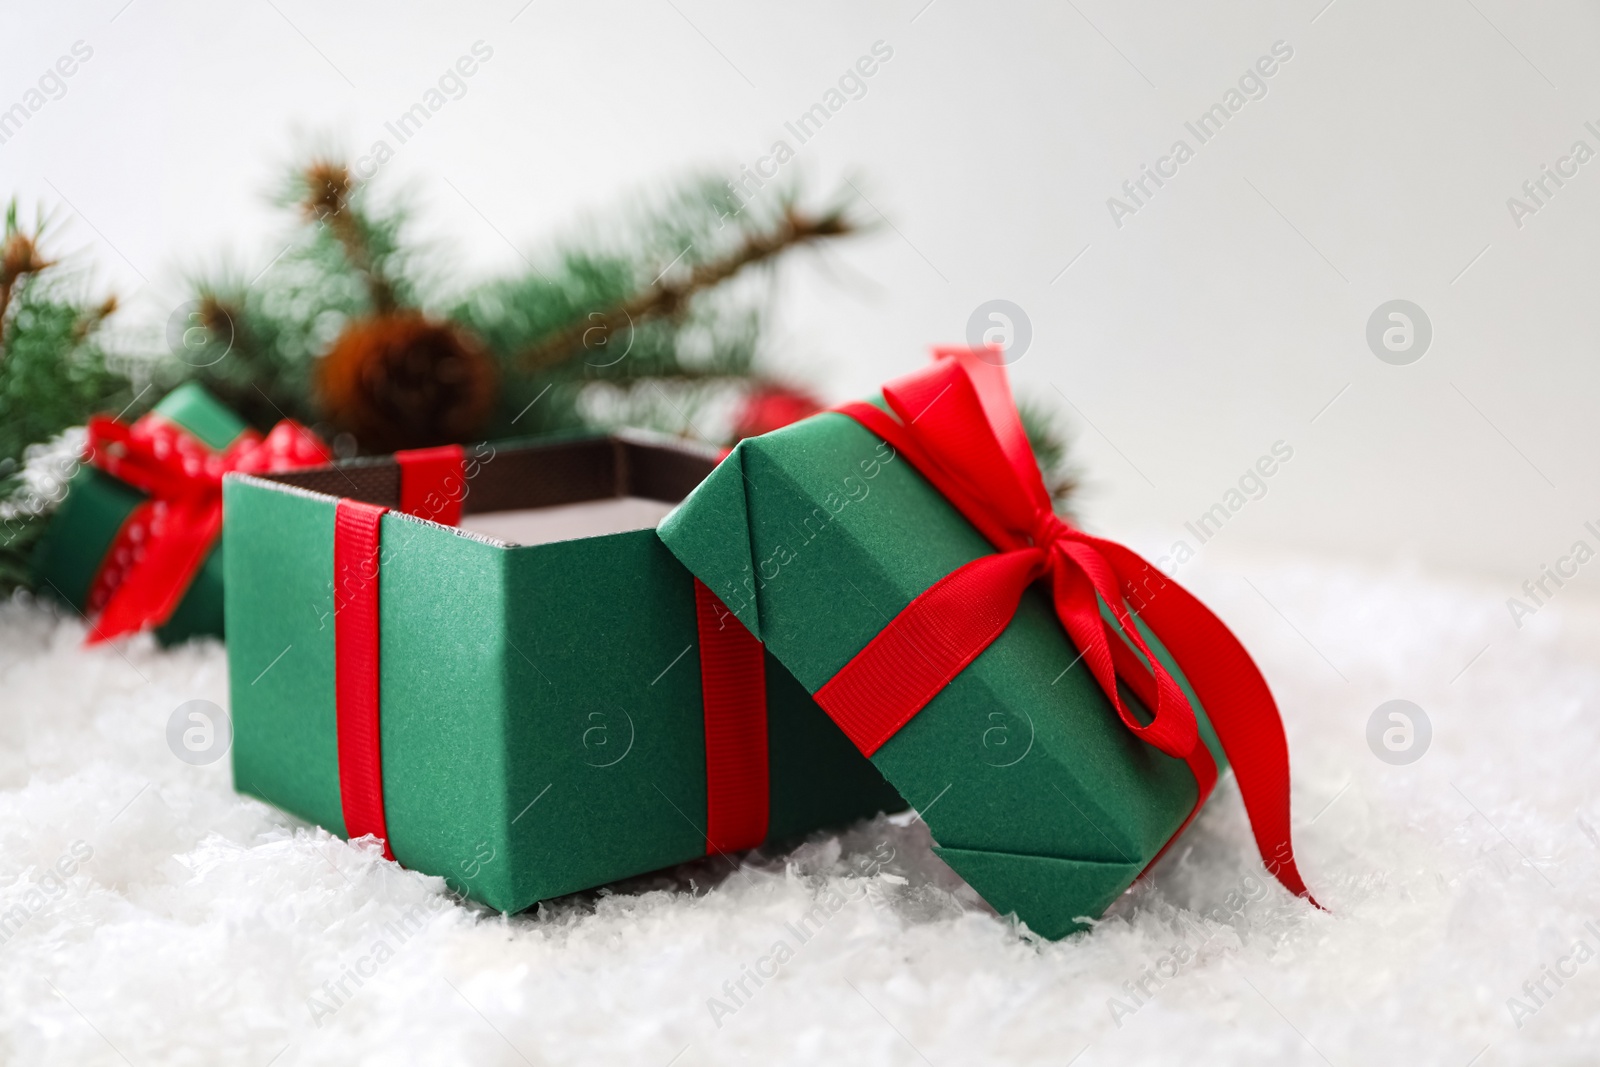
(956, 423)
(165, 540)
(357, 537)
(433, 483)
(733, 684)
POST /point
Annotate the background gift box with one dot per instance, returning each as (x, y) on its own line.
(135, 543)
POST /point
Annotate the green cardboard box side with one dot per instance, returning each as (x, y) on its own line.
(541, 726)
(816, 535)
(79, 536)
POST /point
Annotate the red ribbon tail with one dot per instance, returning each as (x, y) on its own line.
(1236, 700)
(151, 591)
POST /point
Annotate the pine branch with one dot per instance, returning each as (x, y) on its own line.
(92, 318)
(1050, 448)
(666, 298)
(19, 257)
(329, 188)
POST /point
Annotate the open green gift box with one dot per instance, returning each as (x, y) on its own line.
(537, 701)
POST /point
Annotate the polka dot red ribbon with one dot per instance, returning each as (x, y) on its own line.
(165, 540)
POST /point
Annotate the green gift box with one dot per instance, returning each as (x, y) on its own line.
(75, 544)
(821, 534)
(540, 713)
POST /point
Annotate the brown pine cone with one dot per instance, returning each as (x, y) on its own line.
(401, 380)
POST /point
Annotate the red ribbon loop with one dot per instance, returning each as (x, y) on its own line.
(164, 541)
(956, 423)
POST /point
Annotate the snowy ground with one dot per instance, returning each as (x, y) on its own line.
(200, 927)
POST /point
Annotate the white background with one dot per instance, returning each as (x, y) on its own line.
(1222, 317)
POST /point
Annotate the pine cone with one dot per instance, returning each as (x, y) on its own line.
(400, 380)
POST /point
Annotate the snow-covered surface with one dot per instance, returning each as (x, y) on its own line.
(207, 928)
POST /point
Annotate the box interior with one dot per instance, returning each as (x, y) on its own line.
(537, 493)
(564, 522)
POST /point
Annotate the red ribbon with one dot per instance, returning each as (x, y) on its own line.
(357, 537)
(165, 540)
(432, 486)
(733, 687)
(732, 682)
(956, 423)
(433, 483)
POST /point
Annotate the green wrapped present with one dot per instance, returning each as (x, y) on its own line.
(134, 545)
(536, 701)
(1056, 708)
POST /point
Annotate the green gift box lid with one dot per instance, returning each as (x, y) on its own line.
(86, 524)
(541, 720)
(816, 535)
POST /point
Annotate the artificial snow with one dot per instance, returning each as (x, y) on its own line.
(149, 915)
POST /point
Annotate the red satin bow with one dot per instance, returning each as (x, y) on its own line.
(959, 427)
(165, 540)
